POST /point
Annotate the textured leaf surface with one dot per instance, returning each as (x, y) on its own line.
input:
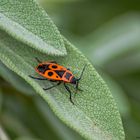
(117, 93)
(27, 22)
(94, 115)
(63, 131)
(19, 120)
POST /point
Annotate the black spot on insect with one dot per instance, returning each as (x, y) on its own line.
(42, 68)
(50, 73)
(68, 75)
(54, 66)
(60, 72)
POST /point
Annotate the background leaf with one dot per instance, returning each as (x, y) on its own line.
(3, 135)
(27, 22)
(14, 80)
(114, 39)
(1, 100)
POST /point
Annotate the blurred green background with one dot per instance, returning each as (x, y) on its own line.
(108, 33)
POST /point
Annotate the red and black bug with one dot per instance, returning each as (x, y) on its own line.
(54, 72)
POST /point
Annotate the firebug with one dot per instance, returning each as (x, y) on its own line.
(54, 72)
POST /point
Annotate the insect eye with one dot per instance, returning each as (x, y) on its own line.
(50, 73)
(54, 66)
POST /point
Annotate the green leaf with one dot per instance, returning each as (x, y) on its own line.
(19, 111)
(118, 94)
(13, 126)
(119, 36)
(1, 100)
(127, 64)
(64, 132)
(15, 80)
(27, 22)
(27, 138)
(94, 115)
(21, 117)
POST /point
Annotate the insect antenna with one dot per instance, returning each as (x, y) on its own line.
(82, 72)
(77, 83)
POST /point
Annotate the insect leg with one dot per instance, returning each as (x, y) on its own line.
(77, 87)
(67, 88)
(37, 60)
(52, 86)
(37, 78)
(77, 83)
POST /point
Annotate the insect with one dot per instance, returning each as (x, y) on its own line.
(54, 72)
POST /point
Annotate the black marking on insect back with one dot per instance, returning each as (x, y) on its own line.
(50, 73)
(54, 66)
(68, 75)
(43, 68)
(60, 73)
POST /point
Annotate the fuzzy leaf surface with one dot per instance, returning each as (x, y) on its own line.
(27, 22)
(94, 116)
